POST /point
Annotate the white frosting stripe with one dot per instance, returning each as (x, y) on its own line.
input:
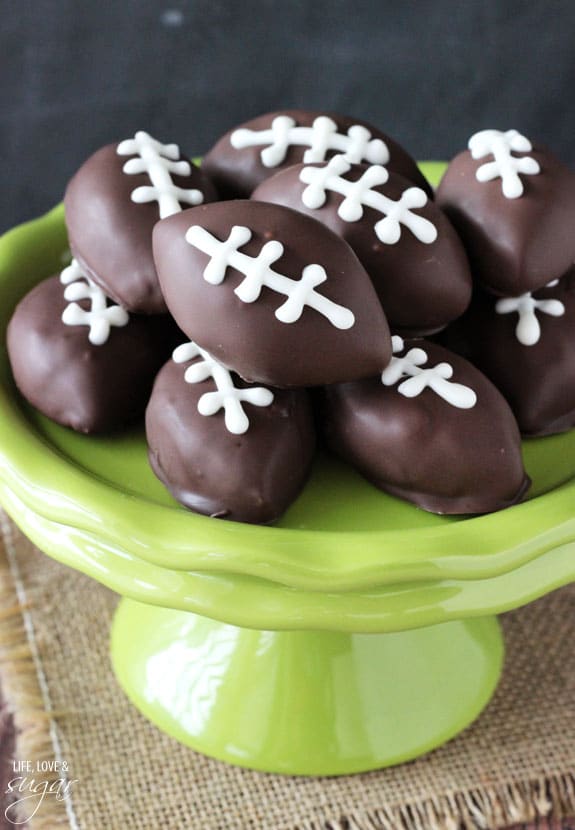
(437, 377)
(259, 273)
(100, 317)
(321, 138)
(359, 194)
(528, 329)
(159, 162)
(226, 396)
(504, 165)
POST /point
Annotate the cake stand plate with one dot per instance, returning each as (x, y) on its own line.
(357, 633)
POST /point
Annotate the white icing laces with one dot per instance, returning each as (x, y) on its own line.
(101, 317)
(320, 138)
(259, 273)
(418, 379)
(504, 166)
(159, 161)
(359, 194)
(528, 329)
(226, 396)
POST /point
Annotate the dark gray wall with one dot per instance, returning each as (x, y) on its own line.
(76, 74)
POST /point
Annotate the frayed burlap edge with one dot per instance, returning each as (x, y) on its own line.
(25, 690)
(552, 797)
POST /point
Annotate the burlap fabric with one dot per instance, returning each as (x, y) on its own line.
(516, 763)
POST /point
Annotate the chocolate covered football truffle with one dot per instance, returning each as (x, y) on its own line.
(82, 362)
(526, 346)
(271, 293)
(112, 205)
(514, 207)
(406, 244)
(252, 152)
(431, 429)
(225, 448)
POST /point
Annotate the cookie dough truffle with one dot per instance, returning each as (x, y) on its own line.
(112, 205)
(406, 244)
(526, 346)
(513, 204)
(271, 293)
(431, 429)
(225, 448)
(253, 151)
(83, 362)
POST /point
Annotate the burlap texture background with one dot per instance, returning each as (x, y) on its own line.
(516, 763)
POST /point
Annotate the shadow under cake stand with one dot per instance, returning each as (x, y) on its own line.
(358, 632)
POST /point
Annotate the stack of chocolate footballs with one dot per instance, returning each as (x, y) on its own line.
(305, 282)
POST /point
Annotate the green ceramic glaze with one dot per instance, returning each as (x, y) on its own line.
(346, 560)
(346, 702)
(257, 603)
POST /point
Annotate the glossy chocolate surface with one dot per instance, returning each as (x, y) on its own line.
(111, 236)
(237, 172)
(514, 245)
(422, 286)
(423, 449)
(246, 336)
(538, 380)
(85, 387)
(252, 477)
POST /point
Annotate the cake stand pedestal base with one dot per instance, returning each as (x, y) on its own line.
(304, 702)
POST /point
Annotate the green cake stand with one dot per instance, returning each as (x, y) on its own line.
(357, 633)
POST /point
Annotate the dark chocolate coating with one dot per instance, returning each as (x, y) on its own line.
(514, 245)
(247, 337)
(422, 287)
(422, 449)
(236, 173)
(539, 380)
(111, 236)
(252, 477)
(85, 387)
